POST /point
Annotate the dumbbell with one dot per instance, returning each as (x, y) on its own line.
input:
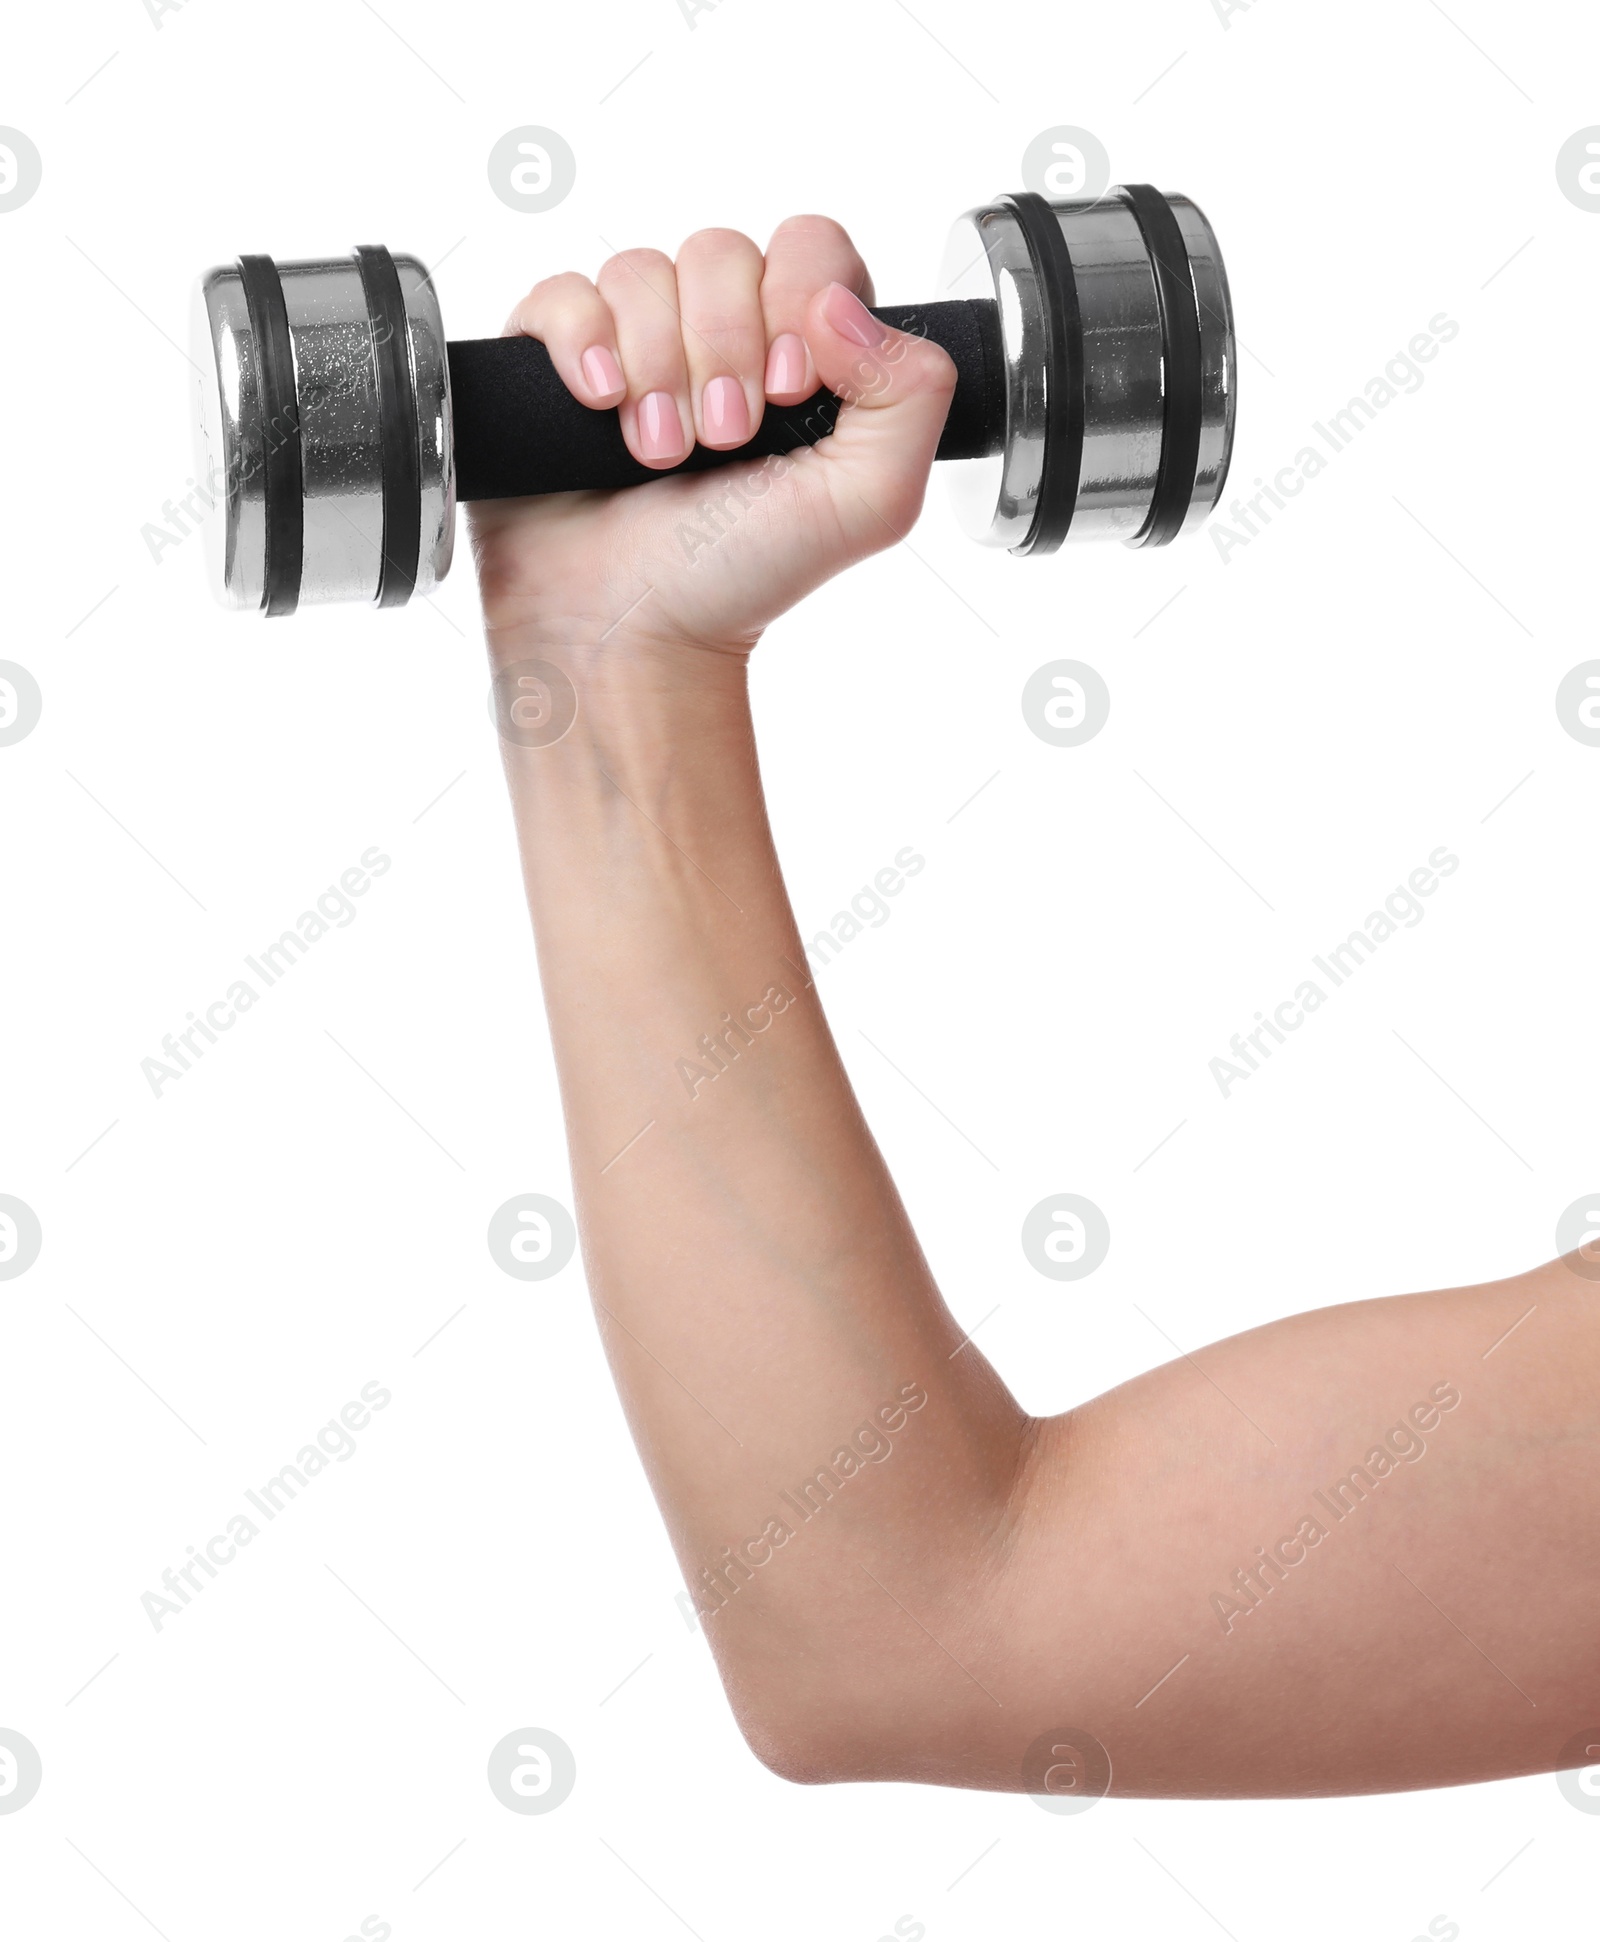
(1092, 337)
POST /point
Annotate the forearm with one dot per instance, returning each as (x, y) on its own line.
(765, 1305)
(960, 1578)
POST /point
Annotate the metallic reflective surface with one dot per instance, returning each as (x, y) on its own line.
(1122, 368)
(986, 256)
(1123, 373)
(1218, 359)
(228, 439)
(339, 430)
(430, 373)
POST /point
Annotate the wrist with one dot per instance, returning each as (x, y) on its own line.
(632, 704)
(615, 659)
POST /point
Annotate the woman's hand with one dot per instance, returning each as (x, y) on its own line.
(694, 351)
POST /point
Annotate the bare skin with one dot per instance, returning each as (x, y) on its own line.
(974, 1582)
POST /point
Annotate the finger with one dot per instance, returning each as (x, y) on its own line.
(806, 254)
(724, 334)
(572, 320)
(642, 290)
(896, 391)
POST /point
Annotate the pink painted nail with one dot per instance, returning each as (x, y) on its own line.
(851, 318)
(726, 414)
(786, 364)
(660, 427)
(603, 372)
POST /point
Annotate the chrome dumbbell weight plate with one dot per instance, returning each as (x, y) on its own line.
(1120, 373)
(324, 424)
(1093, 342)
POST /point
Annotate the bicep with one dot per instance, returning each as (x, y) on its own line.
(1349, 1551)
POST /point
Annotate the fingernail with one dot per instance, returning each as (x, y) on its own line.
(660, 427)
(786, 364)
(851, 318)
(726, 414)
(603, 372)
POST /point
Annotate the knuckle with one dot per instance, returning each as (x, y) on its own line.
(814, 229)
(719, 246)
(566, 289)
(630, 264)
(933, 364)
(729, 333)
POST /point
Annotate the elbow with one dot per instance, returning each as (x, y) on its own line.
(839, 1733)
(800, 1761)
(805, 1752)
(790, 1704)
(829, 1751)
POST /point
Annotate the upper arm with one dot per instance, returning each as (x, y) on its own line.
(1349, 1551)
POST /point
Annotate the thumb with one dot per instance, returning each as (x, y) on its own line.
(895, 391)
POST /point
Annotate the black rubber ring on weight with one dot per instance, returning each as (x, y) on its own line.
(1182, 402)
(283, 475)
(1064, 373)
(397, 424)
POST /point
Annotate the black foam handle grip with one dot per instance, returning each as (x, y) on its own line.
(519, 430)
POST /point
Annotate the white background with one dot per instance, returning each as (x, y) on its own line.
(1367, 680)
